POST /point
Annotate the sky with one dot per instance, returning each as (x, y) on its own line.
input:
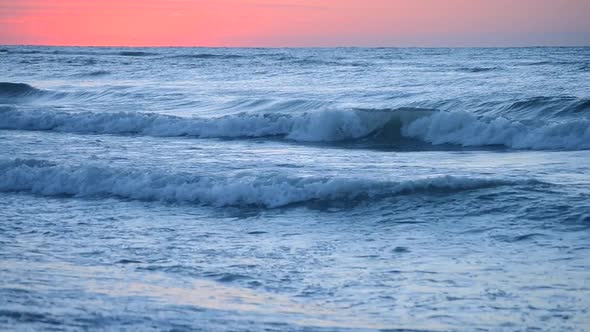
(295, 23)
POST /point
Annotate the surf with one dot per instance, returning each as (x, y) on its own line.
(245, 189)
(366, 127)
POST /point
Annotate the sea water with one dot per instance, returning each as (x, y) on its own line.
(294, 189)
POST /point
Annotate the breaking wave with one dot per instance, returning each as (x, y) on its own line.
(272, 190)
(466, 129)
(380, 127)
(320, 126)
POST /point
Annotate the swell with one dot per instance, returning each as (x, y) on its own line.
(11, 92)
(125, 53)
(478, 69)
(369, 127)
(18, 90)
(135, 53)
(95, 73)
(540, 107)
(205, 56)
(270, 190)
(83, 51)
(318, 126)
(544, 107)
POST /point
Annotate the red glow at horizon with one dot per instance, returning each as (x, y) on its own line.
(295, 22)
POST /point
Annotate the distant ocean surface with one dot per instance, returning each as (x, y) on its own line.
(337, 189)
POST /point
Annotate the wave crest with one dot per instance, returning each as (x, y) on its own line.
(18, 90)
(466, 129)
(272, 190)
(371, 127)
(320, 126)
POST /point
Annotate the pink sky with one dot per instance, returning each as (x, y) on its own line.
(295, 22)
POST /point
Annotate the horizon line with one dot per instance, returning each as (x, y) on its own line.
(290, 47)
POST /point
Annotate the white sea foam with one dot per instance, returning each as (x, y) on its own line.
(146, 123)
(272, 190)
(467, 129)
(377, 126)
(320, 126)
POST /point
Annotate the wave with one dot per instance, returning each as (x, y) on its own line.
(271, 190)
(320, 126)
(91, 51)
(541, 107)
(580, 65)
(96, 73)
(23, 52)
(467, 129)
(267, 57)
(478, 69)
(22, 92)
(126, 53)
(554, 63)
(18, 90)
(207, 56)
(135, 53)
(312, 61)
(370, 127)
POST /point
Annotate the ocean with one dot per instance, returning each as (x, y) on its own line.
(322, 189)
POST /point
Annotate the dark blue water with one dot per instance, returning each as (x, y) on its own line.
(294, 189)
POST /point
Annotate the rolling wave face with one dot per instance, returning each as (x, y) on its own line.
(274, 190)
(548, 108)
(146, 124)
(18, 90)
(564, 130)
(12, 93)
(372, 126)
(466, 129)
(321, 126)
